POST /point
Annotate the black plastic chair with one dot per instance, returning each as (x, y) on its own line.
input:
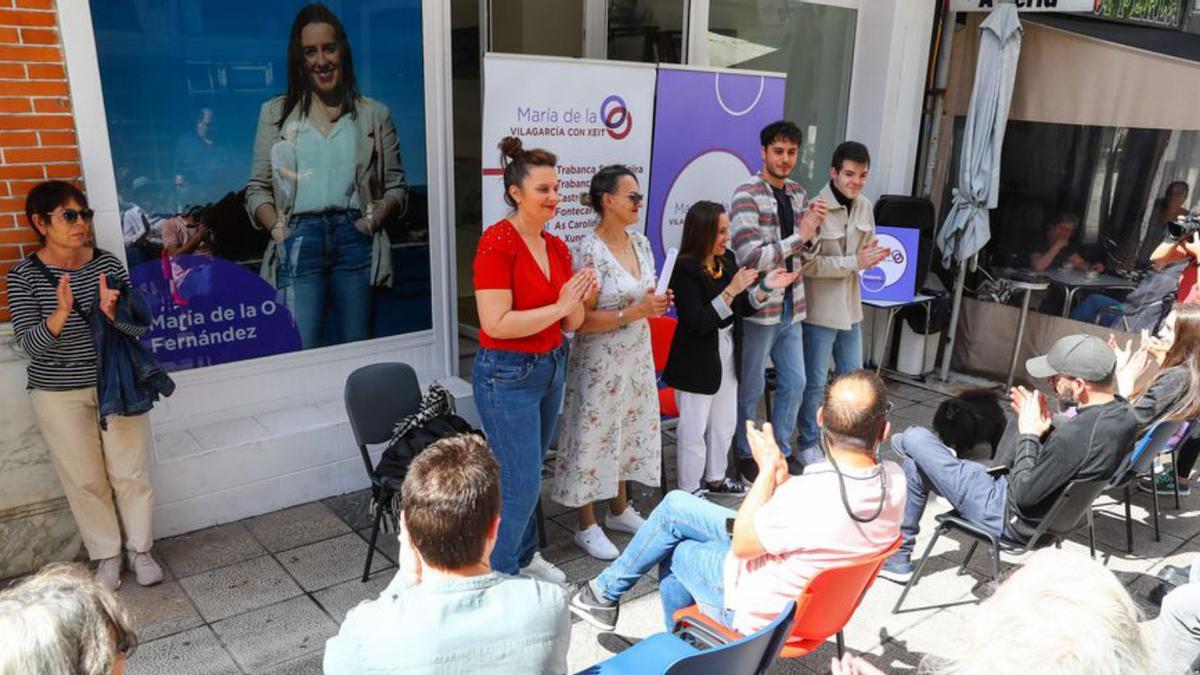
(1064, 517)
(377, 396)
(1140, 462)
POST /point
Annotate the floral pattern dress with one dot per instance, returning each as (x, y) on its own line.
(610, 425)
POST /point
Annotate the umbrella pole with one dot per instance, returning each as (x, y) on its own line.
(959, 282)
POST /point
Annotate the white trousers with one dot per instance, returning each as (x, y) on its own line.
(706, 425)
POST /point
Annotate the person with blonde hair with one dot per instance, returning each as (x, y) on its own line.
(1060, 613)
(62, 622)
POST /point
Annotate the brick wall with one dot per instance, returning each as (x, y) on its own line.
(37, 129)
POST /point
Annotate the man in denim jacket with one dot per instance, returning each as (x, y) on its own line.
(446, 612)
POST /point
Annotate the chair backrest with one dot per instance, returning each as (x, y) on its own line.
(1145, 451)
(662, 332)
(751, 655)
(832, 595)
(377, 396)
(1069, 510)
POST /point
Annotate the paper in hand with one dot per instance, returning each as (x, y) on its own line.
(668, 268)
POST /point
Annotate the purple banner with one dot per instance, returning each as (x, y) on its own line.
(706, 143)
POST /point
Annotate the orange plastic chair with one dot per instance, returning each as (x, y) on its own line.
(823, 608)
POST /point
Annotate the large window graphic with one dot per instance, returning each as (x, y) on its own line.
(270, 161)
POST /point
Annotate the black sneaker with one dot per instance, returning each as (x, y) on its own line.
(725, 487)
(897, 568)
(598, 612)
(747, 469)
(795, 468)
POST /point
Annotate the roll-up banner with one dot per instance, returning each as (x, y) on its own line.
(1026, 5)
(589, 113)
(707, 125)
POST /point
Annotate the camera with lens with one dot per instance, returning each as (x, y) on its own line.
(1183, 227)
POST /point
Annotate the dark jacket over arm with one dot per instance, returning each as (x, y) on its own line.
(1168, 388)
(695, 362)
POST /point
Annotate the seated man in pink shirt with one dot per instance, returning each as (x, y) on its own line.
(788, 529)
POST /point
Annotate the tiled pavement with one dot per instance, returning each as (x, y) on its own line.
(262, 595)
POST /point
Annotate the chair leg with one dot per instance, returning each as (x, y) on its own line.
(1128, 522)
(995, 561)
(912, 581)
(540, 521)
(1154, 499)
(841, 644)
(1091, 535)
(767, 398)
(1175, 475)
(374, 538)
(970, 552)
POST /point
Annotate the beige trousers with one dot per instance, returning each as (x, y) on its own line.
(93, 465)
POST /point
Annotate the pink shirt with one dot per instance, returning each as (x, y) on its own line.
(805, 528)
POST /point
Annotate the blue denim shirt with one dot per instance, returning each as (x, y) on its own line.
(493, 623)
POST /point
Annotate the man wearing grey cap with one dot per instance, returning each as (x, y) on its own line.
(1047, 453)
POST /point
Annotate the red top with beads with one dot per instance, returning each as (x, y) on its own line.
(504, 262)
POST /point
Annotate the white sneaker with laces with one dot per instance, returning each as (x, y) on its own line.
(629, 520)
(540, 568)
(144, 568)
(596, 543)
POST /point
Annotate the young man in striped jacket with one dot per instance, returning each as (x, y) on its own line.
(772, 228)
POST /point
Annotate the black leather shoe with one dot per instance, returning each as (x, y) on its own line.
(795, 468)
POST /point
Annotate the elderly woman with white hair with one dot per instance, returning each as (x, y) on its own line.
(1060, 613)
(62, 622)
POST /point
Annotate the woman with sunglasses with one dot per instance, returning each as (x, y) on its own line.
(104, 472)
(610, 426)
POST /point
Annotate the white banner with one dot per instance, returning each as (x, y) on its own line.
(1026, 5)
(589, 113)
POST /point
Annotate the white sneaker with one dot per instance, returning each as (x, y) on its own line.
(144, 568)
(629, 520)
(540, 568)
(108, 573)
(596, 543)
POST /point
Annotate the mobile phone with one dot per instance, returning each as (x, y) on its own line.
(729, 525)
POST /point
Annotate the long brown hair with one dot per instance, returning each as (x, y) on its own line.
(700, 230)
(1185, 353)
(299, 88)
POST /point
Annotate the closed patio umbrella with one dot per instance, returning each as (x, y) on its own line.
(967, 227)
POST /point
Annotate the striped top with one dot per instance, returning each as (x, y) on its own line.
(757, 242)
(69, 360)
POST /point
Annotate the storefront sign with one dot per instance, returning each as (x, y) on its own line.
(1026, 5)
(707, 143)
(590, 114)
(895, 278)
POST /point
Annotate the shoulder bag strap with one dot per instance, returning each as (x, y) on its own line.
(41, 266)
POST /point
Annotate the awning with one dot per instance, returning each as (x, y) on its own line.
(1068, 77)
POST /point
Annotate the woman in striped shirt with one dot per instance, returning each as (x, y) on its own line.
(105, 473)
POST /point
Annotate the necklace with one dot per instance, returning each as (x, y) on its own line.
(715, 271)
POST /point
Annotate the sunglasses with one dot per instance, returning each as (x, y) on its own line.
(71, 216)
(636, 197)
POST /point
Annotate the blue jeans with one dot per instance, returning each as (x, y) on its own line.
(785, 345)
(1090, 307)
(686, 537)
(929, 465)
(519, 397)
(325, 259)
(823, 347)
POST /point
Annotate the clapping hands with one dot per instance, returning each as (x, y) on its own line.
(766, 452)
(1033, 412)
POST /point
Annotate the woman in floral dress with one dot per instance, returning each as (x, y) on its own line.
(610, 425)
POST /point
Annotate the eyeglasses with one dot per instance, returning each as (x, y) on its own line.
(71, 216)
(636, 197)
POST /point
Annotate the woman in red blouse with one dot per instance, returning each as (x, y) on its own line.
(526, 296)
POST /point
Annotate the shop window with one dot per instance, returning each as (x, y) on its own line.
(184, 82)
(1121, 184)
(543, 27)
(650, 31)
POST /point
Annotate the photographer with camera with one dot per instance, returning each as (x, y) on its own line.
(1181, 242)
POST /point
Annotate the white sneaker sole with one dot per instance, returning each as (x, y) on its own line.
(598, 555)
(590, 620)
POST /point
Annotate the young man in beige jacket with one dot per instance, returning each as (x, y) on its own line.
(845, 246)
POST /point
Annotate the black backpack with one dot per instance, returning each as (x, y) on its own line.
(434, 421)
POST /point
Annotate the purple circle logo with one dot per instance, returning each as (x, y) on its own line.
(618, 121)
(874, 279)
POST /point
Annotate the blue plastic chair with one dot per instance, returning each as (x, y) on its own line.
(1140, 462)
(676, 653)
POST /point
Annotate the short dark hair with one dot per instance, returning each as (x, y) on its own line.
(855, 409)
(780, 130)
(850, 151)
(517, 161)
(604, 183)
(45, 197)
(1066, 217)
(700, 229)
(451, 497)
